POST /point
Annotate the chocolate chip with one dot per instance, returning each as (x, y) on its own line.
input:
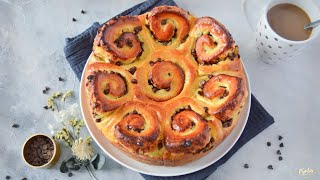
(185, 38)
(83, 12)
(160, 145)
(278, 152)
(201, 93)
(154, 89)
(119, 44)
(280, 138)
(246, 166)
(24, 178)
(270, 167)
(90, 78)
(268, 143)
(194, 54)
(202, 84)
(280, 158)
(227, 123)
(118, 63)
(137, 29)
(134, 81)
(281, 145)
(187, 143)
(165, 42)
(132, 70)
(128, 42)
(151, 63)
(70, 174)
(44, 91)
(74, 20)
(134, 112)
(61, 79)
(106, 91)
(8, 177)
(206, 109)
(15, 125)
(210, 76)
(45, 107)
(164, 22)
(158, 59)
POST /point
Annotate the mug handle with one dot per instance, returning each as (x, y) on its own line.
(252, 10)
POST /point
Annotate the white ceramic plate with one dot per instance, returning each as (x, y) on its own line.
(130, 163)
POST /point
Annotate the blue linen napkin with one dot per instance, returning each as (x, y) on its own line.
(78, 49)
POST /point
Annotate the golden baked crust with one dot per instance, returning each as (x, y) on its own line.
(165, 87)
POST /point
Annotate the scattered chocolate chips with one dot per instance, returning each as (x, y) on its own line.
(38, 150)
(70, 174)
(246, 166)
(46, 89)
(74, 20)
(270, 167)
(15, 125)
(134, 81)
(281, 145)
(61, 79)
(8, 177)
(268, 143)
(280, 158)
(279, 152)
(280, 138)
(132, 70)
(83, 12)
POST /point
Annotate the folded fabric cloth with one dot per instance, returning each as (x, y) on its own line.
(79, 48)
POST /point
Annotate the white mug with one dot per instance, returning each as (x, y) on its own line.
(272, 47)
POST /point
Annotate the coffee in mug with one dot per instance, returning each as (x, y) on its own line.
(288, 21)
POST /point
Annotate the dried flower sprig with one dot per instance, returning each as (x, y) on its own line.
(83, 154)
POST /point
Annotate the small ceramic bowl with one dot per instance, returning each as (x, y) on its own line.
(43, 148)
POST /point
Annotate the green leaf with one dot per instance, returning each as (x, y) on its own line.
(64, 168)
(98, 162)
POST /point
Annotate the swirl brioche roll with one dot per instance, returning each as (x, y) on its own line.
(222, 93)
(165, 87)
(169, 25)
(185, 130)
(213, 41)
(119, 41)
(108, 87)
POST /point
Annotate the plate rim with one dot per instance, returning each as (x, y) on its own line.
(167, 174)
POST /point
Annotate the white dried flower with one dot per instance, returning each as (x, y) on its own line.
(65, 115)
(82, 149)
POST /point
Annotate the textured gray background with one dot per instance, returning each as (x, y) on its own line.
(32, 36)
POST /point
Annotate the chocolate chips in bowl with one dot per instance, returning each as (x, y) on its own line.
(40, 151)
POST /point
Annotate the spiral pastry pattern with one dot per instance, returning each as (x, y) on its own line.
(165, 87)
